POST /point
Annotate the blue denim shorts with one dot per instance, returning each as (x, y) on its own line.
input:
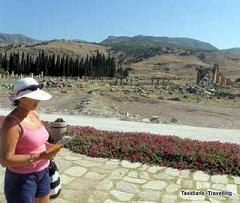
(24, 188)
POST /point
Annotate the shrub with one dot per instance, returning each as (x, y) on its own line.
(237, 80)
(170, 151)
(59, 120)
(2, 71)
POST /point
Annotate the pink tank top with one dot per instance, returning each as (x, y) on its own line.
(31, 141)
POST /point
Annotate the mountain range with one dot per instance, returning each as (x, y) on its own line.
(6, 38)
(143, 54)
(158, 41)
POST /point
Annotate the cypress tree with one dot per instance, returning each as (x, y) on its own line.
(58, 66)
(32, 65)
(49, 67)
(53, 66)
(86, 64)
(67, 66)
(17, 63)
(46, 62)
(76, 67)
(5, 62)
(36, 63)
(22, 65)
(95, 66)
(112, 67)
(81, 68)
(28, 65)
(11, 63)
(1, 60)
(63, 71)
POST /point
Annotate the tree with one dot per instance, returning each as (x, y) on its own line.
(22, 65)
(95, 65)
(28, 64)
(58, 66)
(5, 63)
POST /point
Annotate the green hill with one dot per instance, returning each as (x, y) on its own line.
(150, 41)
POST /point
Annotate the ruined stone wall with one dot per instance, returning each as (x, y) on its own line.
(204, 77)
(208, 77)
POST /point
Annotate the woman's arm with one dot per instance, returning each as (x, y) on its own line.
(9, 138)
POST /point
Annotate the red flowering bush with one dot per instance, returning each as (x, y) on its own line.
(170, 151)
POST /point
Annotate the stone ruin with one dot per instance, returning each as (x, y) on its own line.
(205, 78)
(208, 81)
(210, 77)
(219, 78)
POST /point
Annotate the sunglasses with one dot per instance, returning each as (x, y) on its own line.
(32, 88)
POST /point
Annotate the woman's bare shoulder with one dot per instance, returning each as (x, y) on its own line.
(10, 122)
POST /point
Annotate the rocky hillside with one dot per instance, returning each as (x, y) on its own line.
(175, 56)
(235, 49)
(6, 38)
(57, 47)
(144, 55)
(184, 65)
(229, 62)
(134, 49)
(151, 41)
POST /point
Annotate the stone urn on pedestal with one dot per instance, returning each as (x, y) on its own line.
(58, 128)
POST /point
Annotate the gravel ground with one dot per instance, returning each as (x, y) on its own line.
(99, 101)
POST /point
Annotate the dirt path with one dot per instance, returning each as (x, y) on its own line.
(187, 113)
(184, 131)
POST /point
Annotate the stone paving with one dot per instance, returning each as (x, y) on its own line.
(98, 180)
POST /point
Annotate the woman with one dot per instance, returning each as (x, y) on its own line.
(23, 146)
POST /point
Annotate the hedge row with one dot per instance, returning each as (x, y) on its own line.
(171, 151)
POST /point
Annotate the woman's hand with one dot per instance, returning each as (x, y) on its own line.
(48, 155)
(48, 145)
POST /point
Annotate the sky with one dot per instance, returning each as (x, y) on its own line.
(213, 21)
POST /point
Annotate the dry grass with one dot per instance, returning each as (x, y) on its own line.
(176, 65)
(229, 63)
(62, 48)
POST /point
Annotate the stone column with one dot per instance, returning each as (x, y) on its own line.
(220, 78)
(215, 72)
(225, 81)
(12, 74)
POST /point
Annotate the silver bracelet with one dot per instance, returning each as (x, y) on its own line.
(31, 158)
